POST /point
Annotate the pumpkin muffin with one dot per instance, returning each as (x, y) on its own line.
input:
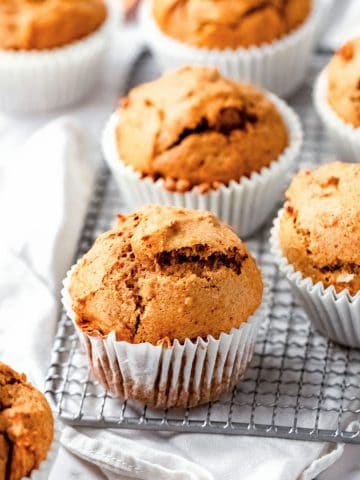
(221, 24)
(343, 74)
(194, 127)
(320, 226)
(39, 25)
(165, 273)
(26, 426)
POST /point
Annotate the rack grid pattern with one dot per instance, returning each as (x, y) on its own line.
(299, 385)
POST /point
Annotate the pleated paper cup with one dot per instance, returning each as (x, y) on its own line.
(35, 81)
(43, 472)
(345, 137)
(245, 205)
(279, 67)
(335, 315)
(183, 375)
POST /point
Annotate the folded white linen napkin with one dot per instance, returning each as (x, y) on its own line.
(44, 194)
(171, 456)
(341, 21)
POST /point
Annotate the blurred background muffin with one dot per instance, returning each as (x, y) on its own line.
(26, 426)
(193, 127)
(224, 24)
(337, 99)
(317, 239)
(248, 40)
(193, 138)
(51, 52)
(174, 278)
(29, 25)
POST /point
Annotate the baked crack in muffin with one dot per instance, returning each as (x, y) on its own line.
(45, 24)
(221, 24)
(320, 226)
(26, 426)
(194, 127)
(162, 274)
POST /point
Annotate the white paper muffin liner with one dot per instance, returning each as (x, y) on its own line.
(244, 205)
(47, 79)
(335, 315)
(43, 472)
(183, 375)
(345, 137)
(279, 67)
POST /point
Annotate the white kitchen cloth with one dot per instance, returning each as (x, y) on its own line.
(171, 456)
(44, 194)
(341, 21)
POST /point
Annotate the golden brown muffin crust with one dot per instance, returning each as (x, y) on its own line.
(343, 74)
(220, 24)
(320, 227)
(26, 425)
(165, 273)
(44, 24)
(195, 126)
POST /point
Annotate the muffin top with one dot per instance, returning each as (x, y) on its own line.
(343, 74)
(165, 273)
(195, 126)
(44, 24)
(220, 24)
(320, 227)
(26, 426)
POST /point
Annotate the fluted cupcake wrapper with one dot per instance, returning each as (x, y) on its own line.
(345, 137)
(48, 79)
(335, 315)
(43, 472)
(183, 375)
(245, 205)
(280, 67)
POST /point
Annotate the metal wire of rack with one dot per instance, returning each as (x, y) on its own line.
(300, 385)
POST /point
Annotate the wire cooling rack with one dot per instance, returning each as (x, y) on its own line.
(299, 385)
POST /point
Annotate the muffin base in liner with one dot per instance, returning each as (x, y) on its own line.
(183, 375)
(43, 472)
(335, 315)
(345, 137)
(245, 205)
(47, 79)
(279, 67)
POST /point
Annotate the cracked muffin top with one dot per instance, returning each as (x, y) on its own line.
(343, 74)
(221, 24)
(44, 24)
(26, 426)
(165, 273)
(194, 126)
(320, 227)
